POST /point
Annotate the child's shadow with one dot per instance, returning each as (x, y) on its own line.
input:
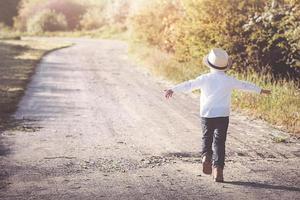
(197, 155)
(263, 185)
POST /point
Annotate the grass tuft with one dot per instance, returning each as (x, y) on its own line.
(279, 140)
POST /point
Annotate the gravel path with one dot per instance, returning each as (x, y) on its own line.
(93, 125)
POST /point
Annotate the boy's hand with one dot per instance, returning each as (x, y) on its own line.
(267, 92)
(168, 93)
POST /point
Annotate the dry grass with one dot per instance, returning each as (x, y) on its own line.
(102, 33)
(281, 109)
(9, 35)
(18, 61)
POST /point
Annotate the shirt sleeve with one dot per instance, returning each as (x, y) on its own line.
(188, 86)
(246, 86)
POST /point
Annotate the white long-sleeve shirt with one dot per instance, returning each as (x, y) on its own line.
(216, 88)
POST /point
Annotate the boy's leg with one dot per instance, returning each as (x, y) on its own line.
(207, 139)
(219, 139)
(207, 136)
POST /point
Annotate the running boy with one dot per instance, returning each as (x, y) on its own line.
(216, 88)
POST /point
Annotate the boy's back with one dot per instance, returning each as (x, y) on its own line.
(216, 88)
(215, 95)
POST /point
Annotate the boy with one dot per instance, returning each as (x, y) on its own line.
(216, 88)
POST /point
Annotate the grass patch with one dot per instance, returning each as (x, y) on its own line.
(18, 61)
(281, 108)
(109, 32)
(279, 139)
(9, 35)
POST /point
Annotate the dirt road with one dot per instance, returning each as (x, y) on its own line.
(95, 126)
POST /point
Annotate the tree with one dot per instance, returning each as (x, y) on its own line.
(8, 10)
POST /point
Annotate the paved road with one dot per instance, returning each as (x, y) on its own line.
(96, 126)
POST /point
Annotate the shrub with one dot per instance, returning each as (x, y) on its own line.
(4, 27)
(72, 10)
(189, 28)
(257, 37)
(273, 40)
(94, 18)
(28, 8)
(155, 23)
(47, 20)
(117, 13)
(209, 24)
(8, 10)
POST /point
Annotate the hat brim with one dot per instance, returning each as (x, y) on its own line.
(205, 62)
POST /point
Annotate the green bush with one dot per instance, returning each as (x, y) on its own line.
(8, 10)
(94, 18)
(258, 38)
(47, 20)
(156, 22)
(6, 33)
(210, 24)
(4, 27)
(273, 40)
(189, 28)
(117, 13)
(71, 9)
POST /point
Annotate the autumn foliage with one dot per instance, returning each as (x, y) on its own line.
(259, 36)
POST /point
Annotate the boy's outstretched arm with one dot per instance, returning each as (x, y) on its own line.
(185, 86)
(247, 86)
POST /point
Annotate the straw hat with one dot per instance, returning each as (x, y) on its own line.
(217, 59)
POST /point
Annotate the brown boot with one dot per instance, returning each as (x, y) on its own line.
(218, 174)
(206, 165)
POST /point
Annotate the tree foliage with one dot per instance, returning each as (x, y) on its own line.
(72, 10)
(259, 35)
(8, 10)
(86, 15)
(273, 40)
(47, 21)
(94, 18)
(156, 23)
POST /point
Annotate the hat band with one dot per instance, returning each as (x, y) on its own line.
(214, 66)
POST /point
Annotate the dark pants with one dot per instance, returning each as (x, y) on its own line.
(213, 139)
